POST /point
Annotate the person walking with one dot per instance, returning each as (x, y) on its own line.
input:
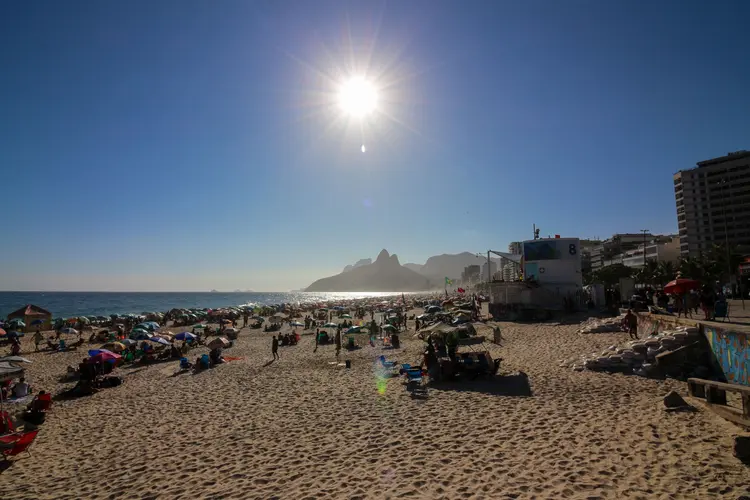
(38, 337)
(275, 348)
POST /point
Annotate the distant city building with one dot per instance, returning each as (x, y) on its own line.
(516, 248)
(664, 249)
(470, 274)
(612, 249)
(713, 204)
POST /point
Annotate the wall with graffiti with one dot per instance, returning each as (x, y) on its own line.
(732, 353)
(731, 349)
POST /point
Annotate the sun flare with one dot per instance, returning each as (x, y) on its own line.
(358, 97)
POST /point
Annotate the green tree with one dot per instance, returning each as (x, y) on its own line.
(610, 275)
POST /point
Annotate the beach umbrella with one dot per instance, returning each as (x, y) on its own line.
(356, 329)
(331, 325)
(2, 332)
(185, 336)
(104, 356)
(69, 331)
(128, 342)
(296, 323)
(14, 359)
(94, 352)
(681, 286)
(16, 323)
(14, 333)
(346, 316)
(199, 327)
(84, 320)
(389, 328)
(114, 346)
(158, 340)
(219, 342)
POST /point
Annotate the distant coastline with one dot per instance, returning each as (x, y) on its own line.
(69, 303)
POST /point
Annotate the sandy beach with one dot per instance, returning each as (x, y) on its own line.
(302, 427)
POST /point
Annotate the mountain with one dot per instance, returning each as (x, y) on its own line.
(438, 267)
(359, 263)
(386, 274)
(417, 268)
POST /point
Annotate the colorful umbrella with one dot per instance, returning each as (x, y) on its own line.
(681, 286)
(185, 336)
(297, 323)
(114, 347)
(104, 356)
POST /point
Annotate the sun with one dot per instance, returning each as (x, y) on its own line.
(358, 97)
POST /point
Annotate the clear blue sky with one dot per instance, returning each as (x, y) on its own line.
(190, 145)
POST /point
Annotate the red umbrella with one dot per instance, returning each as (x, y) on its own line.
(103, 356)
(681, 286)
(2, 332)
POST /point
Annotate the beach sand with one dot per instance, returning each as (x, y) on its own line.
(301, 427)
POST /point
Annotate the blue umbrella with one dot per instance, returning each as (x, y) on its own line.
(185, 336)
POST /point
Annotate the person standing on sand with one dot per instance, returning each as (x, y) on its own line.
(631, 323)
(38, 337)
(275, 348)
(317, 334)
(338, 342)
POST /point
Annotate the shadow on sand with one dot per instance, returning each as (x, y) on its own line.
(516, 385)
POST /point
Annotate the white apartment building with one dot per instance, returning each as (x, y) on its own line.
(660, 251)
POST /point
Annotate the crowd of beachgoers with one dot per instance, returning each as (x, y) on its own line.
(319, 400)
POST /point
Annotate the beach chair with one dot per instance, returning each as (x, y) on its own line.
(185, 364)
(414, 378)
(387, 364)
(20, 444)
(6, 423)
(721, 310)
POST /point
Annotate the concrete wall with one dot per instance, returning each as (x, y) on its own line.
(729, 343)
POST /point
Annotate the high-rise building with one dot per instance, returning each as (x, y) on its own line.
(713, 204)
(516, 248)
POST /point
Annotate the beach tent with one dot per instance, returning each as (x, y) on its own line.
(30, 313)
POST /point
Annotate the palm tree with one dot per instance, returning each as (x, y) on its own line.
(665, 272)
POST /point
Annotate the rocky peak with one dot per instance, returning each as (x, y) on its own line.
(383, 256)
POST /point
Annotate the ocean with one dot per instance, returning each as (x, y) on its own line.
(65, 304)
